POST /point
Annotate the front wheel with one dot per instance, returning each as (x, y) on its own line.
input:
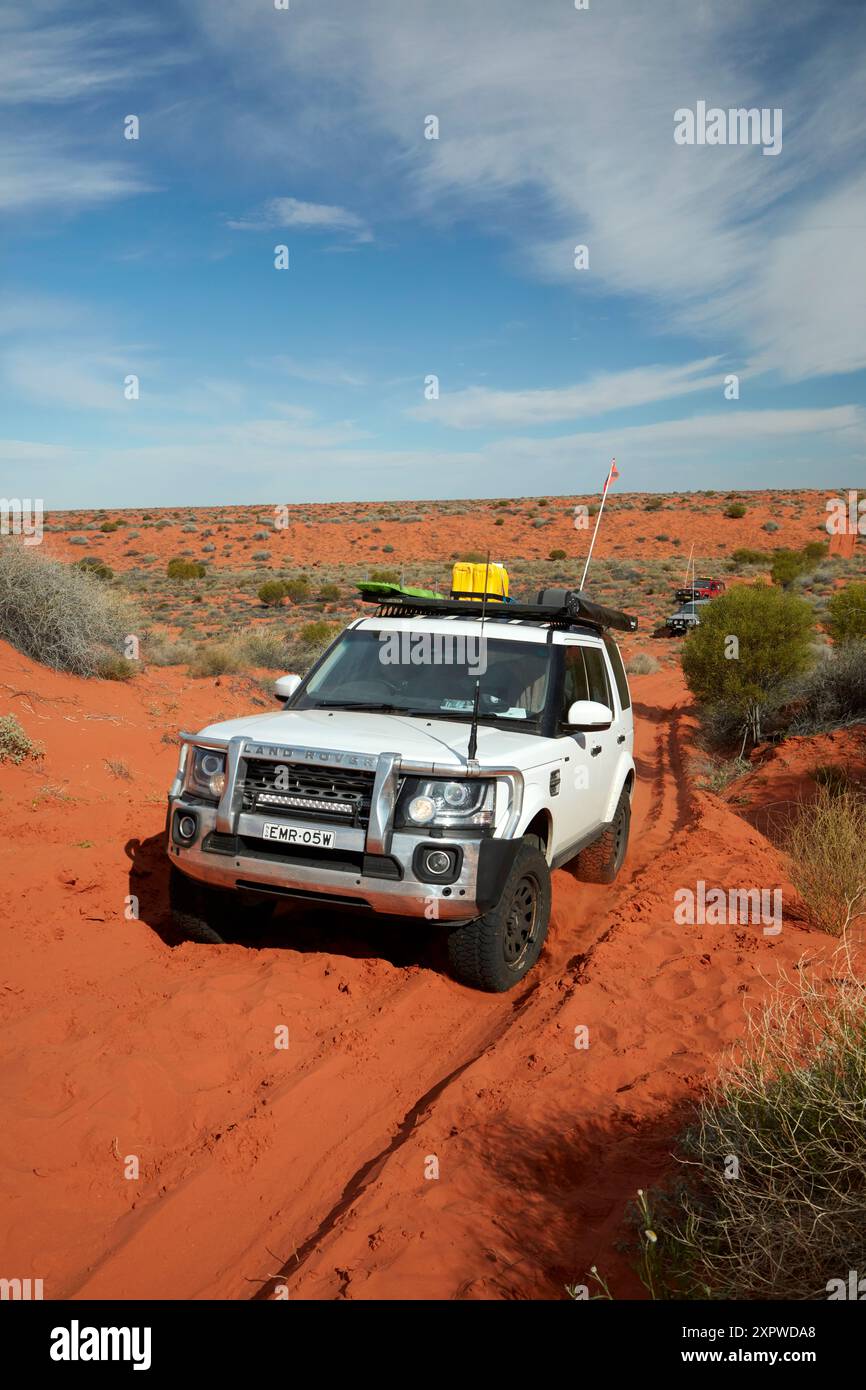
(496, 951)
(212, 915)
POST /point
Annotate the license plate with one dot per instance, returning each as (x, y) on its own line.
(296, 835)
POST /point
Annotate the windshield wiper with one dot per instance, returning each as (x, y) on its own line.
(368, 706)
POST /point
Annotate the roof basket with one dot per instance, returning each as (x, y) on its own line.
(560, 607)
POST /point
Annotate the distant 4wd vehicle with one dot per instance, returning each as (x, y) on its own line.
(700, 589)
(686, 617)
(436, 763)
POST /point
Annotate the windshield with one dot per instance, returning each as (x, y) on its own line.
(429, 673)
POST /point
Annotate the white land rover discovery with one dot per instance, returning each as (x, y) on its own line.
(431, 765)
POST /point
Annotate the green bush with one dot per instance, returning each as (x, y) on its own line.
(109, 525)
(773, 631)
(272, 593)
(329, 592)
(179, 568)
(846, 613)
(556, 555)
(746, 556)
(58, 614)
(98, 568)
(735, 510)
(15, 745)
(314, 634)
(653, 504)
(385, 577)
(297, 588)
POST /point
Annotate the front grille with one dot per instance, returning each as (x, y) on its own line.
(340, 796)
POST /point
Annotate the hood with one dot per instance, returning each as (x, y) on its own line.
(443, 742)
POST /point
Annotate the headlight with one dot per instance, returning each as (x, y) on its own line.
(206, 775)
(467, 802)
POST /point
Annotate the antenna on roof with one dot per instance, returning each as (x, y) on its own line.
(613, 473)
(473, 732)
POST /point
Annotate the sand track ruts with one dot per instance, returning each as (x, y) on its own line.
(310, 1166)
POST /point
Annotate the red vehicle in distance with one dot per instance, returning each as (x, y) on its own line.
(701, 588)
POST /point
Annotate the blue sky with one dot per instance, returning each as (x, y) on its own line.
(412, 257)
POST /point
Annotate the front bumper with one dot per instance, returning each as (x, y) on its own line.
(374, 867)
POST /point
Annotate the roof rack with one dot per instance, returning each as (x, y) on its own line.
(572, 610)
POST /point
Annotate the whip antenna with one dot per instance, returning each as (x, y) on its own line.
(614, 473)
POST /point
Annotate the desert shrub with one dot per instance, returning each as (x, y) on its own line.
(499, 521)
(832, 693)
(388, 549)
(261, 555)
(744, 555)
(15, 745)
(472, 557)
(735, 510)
(385, 576)
(329, 592)
(316, 634)
(179, 568)
(78, 540)
(109, 525)
(556, 555)
(216, 659)
(790, 1109)
(209, 547)
(57, 614)
(297, 588)
(265, 650)
(773, 630)
(641, 664)
(91, 564)
(770, 526)
(653, 504)
(826, 843)
(114, 667)
(160, 651)
(189, 527)
(271, 593)
(846, 613)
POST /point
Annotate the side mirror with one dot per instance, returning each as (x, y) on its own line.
(590, 714)
(285, 687)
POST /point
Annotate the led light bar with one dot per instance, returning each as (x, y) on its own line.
(303, 803)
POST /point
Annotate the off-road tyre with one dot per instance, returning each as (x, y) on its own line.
(601, 861)
(496, 951)
(212, 916)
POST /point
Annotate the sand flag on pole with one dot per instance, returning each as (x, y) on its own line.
(612, 475)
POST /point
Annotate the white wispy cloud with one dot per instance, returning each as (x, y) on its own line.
(319, 372)
(556, 128)
(293, 214)
(479, 406)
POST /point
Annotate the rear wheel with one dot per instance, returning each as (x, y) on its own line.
(601, 861)
(496, 951)
(213, 915)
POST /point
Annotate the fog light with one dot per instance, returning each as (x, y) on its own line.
(437, 862)
(422, 809)
(186, 827)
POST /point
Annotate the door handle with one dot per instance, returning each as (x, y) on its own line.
(621, 738)
(595, 750)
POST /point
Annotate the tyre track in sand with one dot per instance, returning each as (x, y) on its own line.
(253, 1155)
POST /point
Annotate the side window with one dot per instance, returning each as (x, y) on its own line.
(596, 675)
(574, 685)
(619, 676)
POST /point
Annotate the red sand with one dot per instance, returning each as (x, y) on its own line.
(116, 1040)
(330, 533)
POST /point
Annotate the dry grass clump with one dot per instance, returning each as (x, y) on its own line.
(827, 844)
(772, 1204)
(59, 615)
